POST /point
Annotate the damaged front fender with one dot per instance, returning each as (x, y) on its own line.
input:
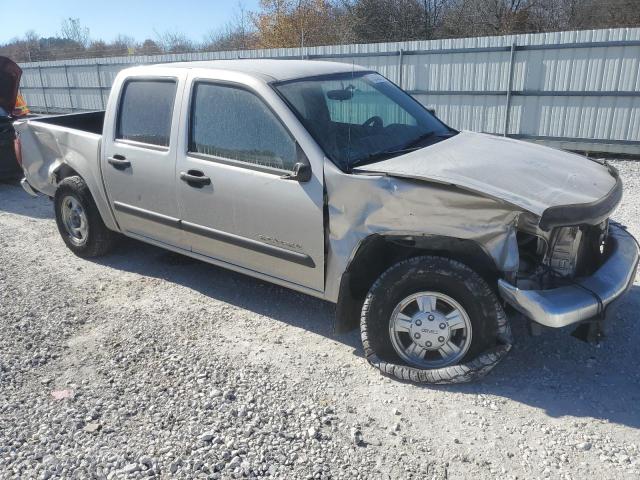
(363, 205)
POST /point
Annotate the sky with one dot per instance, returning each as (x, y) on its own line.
(106, 19)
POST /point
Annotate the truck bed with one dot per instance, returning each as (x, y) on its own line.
(49, 142)
(91, 122)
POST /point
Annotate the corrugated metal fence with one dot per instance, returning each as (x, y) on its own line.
(578, 90)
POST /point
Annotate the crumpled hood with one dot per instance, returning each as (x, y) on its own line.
(530, 176)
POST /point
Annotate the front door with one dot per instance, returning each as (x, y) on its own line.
(235, 204)
(139, 160)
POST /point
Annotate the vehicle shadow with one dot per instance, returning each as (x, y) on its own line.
(258, 296)
(565, 376)
(15, 200)
(554, 371)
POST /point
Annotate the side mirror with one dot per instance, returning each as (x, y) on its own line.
(301, 172)
(432, 111)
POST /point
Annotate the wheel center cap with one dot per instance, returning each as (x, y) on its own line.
(429, 330)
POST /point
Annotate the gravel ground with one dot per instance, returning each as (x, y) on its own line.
(177, 369)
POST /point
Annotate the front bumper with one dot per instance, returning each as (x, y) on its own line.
(569, 304)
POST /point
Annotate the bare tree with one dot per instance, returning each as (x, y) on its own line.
(149, 47)
(98, 48)
(174, 42)
(32, 46)
(433, 12)
(599, 14)
(123, 45)
(72, 30)
(296, 23)
(237, 34)
(391, 20)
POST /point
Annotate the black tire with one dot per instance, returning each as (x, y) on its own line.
(99, 240)
(491, 336)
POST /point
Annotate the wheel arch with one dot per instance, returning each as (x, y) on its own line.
(96, 188)
(378, 252)
(65, 171)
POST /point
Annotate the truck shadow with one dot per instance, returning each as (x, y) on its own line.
(261, 297)
(567, 377)
(554, 371)
(13, 199)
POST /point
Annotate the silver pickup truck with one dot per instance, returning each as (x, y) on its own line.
(330, 180)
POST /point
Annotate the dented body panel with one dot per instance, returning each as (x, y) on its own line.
(47, 149)
(529, 176)
(363, 205)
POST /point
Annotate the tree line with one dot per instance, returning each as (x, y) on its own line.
(296, 23)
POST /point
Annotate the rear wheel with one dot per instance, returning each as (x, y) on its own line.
(429, 319)
(79, 221)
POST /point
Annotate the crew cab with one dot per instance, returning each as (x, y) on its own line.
(329, 179)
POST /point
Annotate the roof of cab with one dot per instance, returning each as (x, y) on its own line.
(271, 70)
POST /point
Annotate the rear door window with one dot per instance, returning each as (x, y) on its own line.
(146, 109)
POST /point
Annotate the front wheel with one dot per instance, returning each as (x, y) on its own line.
(79, 221)
(432, 319)
(429, 329)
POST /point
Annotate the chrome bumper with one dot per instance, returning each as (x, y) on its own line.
(559, 307)
(28, 188)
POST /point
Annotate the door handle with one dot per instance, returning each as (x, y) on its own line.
(119, 162)
(195, 178)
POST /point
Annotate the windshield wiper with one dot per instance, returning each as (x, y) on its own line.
(409, 147)
(372, 157)
(420, 139)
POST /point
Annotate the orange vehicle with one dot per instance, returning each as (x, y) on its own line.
(21, 109)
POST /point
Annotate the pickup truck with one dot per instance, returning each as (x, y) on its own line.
(329, 179)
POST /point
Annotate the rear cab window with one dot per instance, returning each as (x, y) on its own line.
(145, 111)
(234, 125)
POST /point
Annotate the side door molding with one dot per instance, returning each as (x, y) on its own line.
(147, 214)
(248, 243)
(237, 240)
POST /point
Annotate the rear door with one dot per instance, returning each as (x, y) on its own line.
(139, 157)
(240, 139)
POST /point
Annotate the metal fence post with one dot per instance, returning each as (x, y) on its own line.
(400, 76)
(507, 111)
(66, 74)
(44, 92)
(100, 85)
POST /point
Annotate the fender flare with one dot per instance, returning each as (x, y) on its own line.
(350, 301)
(96, 187)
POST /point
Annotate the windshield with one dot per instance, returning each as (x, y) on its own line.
(361, 117)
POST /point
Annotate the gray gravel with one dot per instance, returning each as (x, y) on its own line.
(145, 363)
